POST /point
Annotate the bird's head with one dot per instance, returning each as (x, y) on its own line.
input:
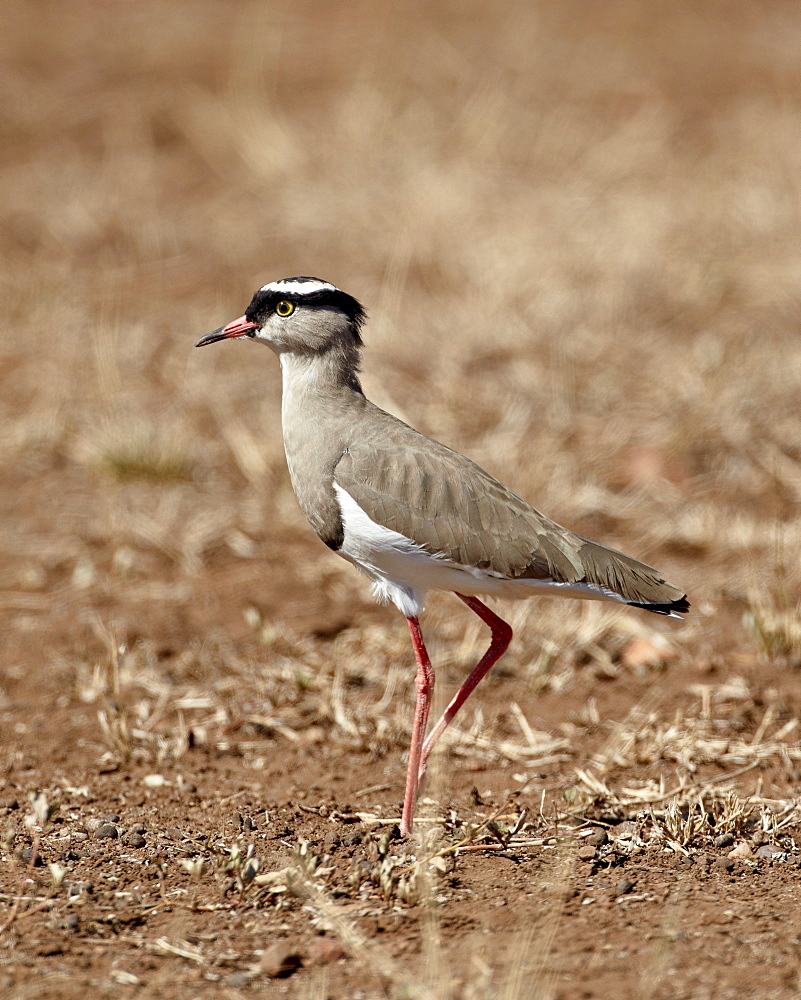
(297, 316)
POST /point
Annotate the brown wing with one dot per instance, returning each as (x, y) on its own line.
(451, 506)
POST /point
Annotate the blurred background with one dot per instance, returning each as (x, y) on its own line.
(575, 227)
(576, 231)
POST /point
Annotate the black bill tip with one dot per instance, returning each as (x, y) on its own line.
(212, 338)
(241, 327)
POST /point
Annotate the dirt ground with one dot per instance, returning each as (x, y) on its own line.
(576, 233)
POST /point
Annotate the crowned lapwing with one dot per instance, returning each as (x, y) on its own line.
(412, 514)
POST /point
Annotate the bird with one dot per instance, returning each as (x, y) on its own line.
(409, 512)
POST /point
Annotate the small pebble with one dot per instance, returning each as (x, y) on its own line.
(325, 951)
(596, 838)
(646, 653)
(725, 864)
(79, 889)
(770, 851)
(107, 830)
(137, 828)
(724, 840)
(586, 854)
(113, 818)
(280, 960)
(624, 885)
(332, 840)
(134, 840)
(25, 855)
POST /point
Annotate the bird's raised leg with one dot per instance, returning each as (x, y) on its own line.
(501, 637)
(424, 682)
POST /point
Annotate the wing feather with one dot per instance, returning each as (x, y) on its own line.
(455, 509)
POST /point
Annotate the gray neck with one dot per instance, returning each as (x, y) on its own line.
(320, 405)
(329, 373)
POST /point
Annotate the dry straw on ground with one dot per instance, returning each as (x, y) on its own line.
(576, 233)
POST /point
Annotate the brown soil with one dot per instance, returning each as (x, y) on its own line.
(163, 904)
(203, 716)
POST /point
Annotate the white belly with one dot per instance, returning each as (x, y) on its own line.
(403, 571)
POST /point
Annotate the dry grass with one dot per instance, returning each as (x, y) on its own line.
(613, 280)
(577, 238)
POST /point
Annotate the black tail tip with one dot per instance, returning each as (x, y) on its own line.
(671, 608)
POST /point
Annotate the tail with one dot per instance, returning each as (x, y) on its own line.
(673, 609)
(635, 583)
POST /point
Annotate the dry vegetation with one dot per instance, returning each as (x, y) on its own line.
(576, 232)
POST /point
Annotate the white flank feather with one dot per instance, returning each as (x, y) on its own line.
(403, 571)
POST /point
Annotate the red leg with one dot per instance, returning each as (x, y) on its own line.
(501, 637)
(424, 682)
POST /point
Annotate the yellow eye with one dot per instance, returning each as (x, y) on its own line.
(285, 308)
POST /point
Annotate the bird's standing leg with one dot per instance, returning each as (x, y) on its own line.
(501, 637)
(424, 682)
